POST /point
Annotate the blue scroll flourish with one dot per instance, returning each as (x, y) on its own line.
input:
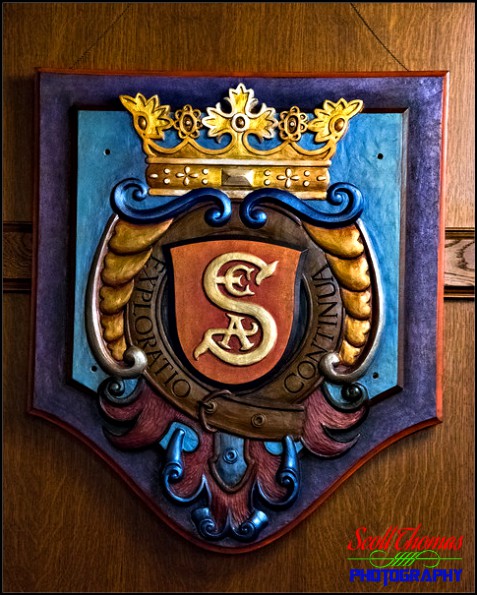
(207, 526)
(115, 390)
(173, 471)
(347, 199)
(250, 529)
(288, 476)
(128, 193)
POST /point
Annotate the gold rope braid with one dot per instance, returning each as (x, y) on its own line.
(344, 250)
(129, 248)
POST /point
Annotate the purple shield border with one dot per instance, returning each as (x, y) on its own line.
(419, 403)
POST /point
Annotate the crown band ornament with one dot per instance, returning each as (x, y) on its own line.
(244, 148)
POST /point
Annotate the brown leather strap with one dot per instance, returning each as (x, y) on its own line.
(223, 411)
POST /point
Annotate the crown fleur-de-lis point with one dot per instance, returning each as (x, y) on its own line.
(245, 116)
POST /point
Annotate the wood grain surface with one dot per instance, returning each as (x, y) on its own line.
(459, 269)
(69, 523)
(17, 257)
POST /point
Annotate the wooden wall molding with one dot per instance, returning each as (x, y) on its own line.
(17, 257)
(459, 268)
(459, 272)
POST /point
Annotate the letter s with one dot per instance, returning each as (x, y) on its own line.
(360, 540)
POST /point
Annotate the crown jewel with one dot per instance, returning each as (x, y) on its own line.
(240, 147)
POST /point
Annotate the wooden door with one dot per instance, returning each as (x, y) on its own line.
(70, 524)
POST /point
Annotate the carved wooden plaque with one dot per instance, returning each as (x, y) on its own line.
(238, 284)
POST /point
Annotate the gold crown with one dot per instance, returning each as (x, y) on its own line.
(292, 152)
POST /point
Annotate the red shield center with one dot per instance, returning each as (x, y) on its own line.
(234, 305)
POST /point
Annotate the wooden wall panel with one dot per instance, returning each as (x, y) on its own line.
(69, 523)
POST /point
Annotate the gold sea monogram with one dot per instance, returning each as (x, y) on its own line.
(237, 309)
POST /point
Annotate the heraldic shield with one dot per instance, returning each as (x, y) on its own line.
(238, 312)
(245, 293)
